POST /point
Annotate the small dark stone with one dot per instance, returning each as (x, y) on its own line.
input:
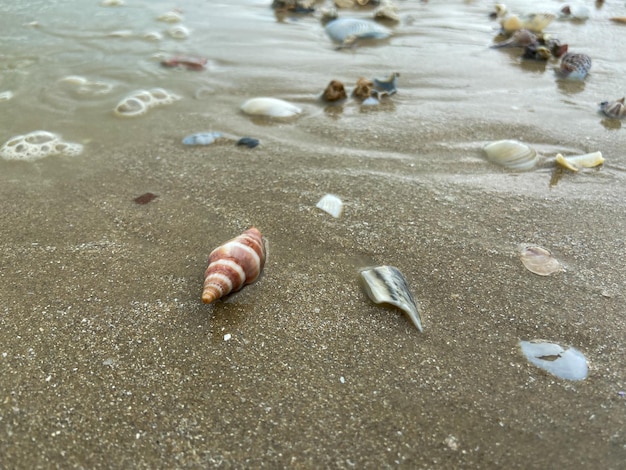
(248, 142)
(145, 198)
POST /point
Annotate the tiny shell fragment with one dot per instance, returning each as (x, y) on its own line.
(331, 204)
(539, 260)
(574, 163)
(145, 198)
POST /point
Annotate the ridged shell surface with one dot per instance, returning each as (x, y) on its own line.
(574, 66)
(511, 154)
(234, 264)
(386, 284)
(271, 107)
(347, 30)
(614, 109)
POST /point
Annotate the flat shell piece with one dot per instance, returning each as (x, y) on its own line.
(386, 284)
(202, 138)
(569, 364)
(540, 261)
(331, 204)
(575, 162)
(272, 107)
(348, 30)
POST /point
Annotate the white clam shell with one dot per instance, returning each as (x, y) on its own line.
(348, 30)
(272, 107)
(575, 162)
(386, 284)
(511, 154)
(569, 364)
(331, 204)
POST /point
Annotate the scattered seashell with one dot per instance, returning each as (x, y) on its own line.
(344, 3)
(335, 91)
(619, 19)
(202, 138)
(331, 204)
(191, 63)
(272, 107)
(519, 38)
(140, 101)
(36, 145)
(296, 6)
(122, 33)
(234, 264)
(6, 95)
(511, 154)
(153, 36)
(112, 3)
(145, 198)
(574, 66)
(574, 12)
(569, 364)
(179, 32)
(347, 30)
(536, 52)
(574, 163)
(249, 142)
(613, 109)
(536, 22)
(363, 89)
(387, 86)
(386, 284)
(387, 10)
(539, 261)
(171, 17)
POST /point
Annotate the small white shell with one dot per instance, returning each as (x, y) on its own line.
(386, 284)
(575, 162)
(511, 154)
(348, 30)
(6, 95)
(170, 17)
(387, 10)
(179, 32)
(569, 364)
(272, 107)
(614, 109)
(331, 204)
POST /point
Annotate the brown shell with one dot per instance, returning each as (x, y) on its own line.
(335, 91)
(363, 88)
(234, 264)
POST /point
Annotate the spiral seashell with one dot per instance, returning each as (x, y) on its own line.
(574, 66)
(614, 109)
(234, 264)
(511, 154)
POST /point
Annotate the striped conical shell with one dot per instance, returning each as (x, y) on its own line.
(234, 264)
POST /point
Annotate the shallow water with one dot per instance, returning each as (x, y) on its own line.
(108, 355)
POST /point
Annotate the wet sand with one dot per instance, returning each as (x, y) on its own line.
(109, 359)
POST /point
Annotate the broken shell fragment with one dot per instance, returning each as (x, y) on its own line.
(331, 204)
(386, 284)
(387, 86)
(272, 107)
(569, 364)
(539, 261)
(576, 162)
(614, 109)
(387, 10)
(511, 154)
(202, 138)
(233, 265)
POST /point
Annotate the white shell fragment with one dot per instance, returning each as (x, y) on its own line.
(6, 95)
(331, 204)
(575, 162)
(140, 101)
(37, 145)
(179, 32)
(511, 154)
(202, 138)
(171, 17)
(539, 261)
(348, 30)
(272, 107)
(569, 364)
(386, 284)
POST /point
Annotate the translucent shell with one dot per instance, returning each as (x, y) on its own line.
(569, 364)
(386, 284)
(511, 154)
(575, 162)
(202, 138)
(271, 107)
(539, 261)
(614, 109)
(348, 30)
(236, 263)
(535, 22)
